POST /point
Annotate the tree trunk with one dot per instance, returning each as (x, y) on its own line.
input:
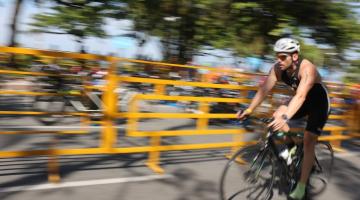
(183, 53)
(13, 25)
(80, 41)
(13, 33)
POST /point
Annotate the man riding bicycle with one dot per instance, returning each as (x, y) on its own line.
(311, 100)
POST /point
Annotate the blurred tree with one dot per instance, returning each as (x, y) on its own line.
(353, 72)
(256, 25)
(80, 18)
(247, 27)
(313, 53)
(17, 10)
(175, 22)
(13, 25)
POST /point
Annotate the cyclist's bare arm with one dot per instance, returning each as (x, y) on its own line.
(262, 92)
(308, 76)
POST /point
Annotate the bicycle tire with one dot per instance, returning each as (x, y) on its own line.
(259, 167)
(55, 104)
(321, 173)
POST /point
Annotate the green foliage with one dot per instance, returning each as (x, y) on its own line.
(313, 53)
(79, 18)
(246, 27)
(186, 27)
(353, 72)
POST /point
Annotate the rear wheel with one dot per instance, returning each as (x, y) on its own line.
(249, 174)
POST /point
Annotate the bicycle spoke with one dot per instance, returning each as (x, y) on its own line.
(252, 180)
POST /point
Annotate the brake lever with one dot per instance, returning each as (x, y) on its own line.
(246, 123)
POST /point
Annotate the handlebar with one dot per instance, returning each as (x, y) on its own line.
(267, 121)
(247, 123)
(262, 120)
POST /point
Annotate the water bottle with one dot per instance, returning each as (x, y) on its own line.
(284, 154)
(288, 155)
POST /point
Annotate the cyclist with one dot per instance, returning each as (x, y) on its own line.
(311, 100)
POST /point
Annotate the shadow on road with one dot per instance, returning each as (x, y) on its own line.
(32, 171)
(192, 187)
(346, 177)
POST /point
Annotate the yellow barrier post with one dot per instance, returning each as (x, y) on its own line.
(159, 89)
(345, 117)
(132, 123)
(336, 144)
(110, 103)
(202, 123)
(85, 120)
(355, 121)
(53, 164)
(154, 156)
(238, 137)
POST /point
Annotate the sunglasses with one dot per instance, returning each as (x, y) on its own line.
(282, 57)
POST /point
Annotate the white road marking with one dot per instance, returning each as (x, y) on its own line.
(84, 183)
(346, 154)
(341, 155)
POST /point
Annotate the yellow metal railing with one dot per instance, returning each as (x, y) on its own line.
(202, 119)
(110, 113)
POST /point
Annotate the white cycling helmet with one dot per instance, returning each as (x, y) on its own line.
(287, 45)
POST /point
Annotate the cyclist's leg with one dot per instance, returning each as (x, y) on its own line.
(317, 118)
(307, 164)
(310, 140)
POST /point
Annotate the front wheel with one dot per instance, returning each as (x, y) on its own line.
(249, 174)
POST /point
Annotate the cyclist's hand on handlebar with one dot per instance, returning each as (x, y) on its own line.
(242, 114)
(279, 124)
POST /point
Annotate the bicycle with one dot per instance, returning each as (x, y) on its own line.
(65, 91)
(253, 172)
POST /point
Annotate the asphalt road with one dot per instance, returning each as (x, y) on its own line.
(189, 175)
